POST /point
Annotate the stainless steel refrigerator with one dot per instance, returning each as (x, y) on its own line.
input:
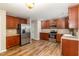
(24, 31)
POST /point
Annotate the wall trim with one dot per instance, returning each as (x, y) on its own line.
(3, 51)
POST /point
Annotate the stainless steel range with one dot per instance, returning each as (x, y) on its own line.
(52, 35)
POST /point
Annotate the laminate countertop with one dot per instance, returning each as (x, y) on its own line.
(70, 38)
(12, 35)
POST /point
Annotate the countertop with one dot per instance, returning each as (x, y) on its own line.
(12, 35)
(11, 32)
(70, 38)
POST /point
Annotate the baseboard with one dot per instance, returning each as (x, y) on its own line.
(2, 51)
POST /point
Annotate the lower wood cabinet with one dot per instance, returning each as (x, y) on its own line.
(44, 36)
(58, 37)
(12, 41)
(69, 47)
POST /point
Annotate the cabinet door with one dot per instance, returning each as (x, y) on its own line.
(10, 22)
(9, 42)
(66, 22)
(52, 22)
(44, 36)
(23, 21)
(78, 17)
(69, 47)
(73, 17)
(58, 37)
(16, 40)
(12, 41)
(45, 24)
(60, 23)
(17, 21)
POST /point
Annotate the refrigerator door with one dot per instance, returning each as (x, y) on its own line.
(25, 34)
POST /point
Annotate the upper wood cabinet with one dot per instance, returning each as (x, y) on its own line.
(66, 22)
(12, 22)
(61, 23)
(73, 16)
(78, 18)
(45, 24)
(23, 21)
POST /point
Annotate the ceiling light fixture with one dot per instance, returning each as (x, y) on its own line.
(30, 5)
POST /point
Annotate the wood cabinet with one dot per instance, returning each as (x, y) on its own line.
(23, 21)
(61, 23)
(66, 23)
(12, 41)
(45, 24)
(44, 36)
(69, 47)
(78, 18)
(73, 16)
(12, 22)
(58, 37)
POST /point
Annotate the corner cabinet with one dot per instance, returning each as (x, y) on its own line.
(73, 16)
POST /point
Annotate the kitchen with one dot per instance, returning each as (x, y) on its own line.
(61, 30)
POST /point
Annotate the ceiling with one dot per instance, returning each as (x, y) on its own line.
(39, 12)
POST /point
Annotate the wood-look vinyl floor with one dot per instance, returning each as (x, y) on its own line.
(36, 48)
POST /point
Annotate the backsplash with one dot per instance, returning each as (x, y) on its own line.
(11, 32)
(61, 31)
(47, 30)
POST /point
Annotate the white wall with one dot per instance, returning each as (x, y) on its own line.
(2, 31)
(35, 29)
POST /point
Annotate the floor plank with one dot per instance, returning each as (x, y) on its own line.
(36, 48)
